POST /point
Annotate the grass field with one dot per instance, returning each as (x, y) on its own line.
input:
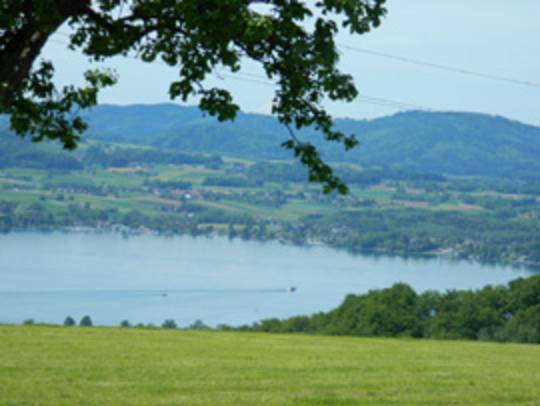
(76, 366)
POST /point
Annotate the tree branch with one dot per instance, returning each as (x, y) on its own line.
(20, 48)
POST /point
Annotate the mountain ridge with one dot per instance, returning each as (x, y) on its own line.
(450, 143)
(454, 143)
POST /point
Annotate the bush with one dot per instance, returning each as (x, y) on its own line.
(28, 322)
(86, 321)
(169, 324)
(198, 325)
(524, 327)
(125, 323)
(69, 321)
(501, 313)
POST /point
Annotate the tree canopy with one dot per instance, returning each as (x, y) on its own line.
(293, 43)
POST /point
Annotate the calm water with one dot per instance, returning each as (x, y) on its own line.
(148, 279)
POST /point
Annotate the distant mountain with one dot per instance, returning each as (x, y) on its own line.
(186, 128)
(139, 124)
(450, 143)
(446, 143)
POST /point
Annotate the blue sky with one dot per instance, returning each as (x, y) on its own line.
(499, 37)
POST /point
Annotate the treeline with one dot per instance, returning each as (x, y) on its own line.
(86, 321)
(370, 177)
(190, 218)
(232, 181)
(98, 155)
(483, 236)
(296, 173)
(277, 172)
(18, 153)
(502, 313)
(513, 186)
(167, 184)
(21, 153)
(505, 313)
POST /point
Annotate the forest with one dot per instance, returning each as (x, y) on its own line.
(494, 313)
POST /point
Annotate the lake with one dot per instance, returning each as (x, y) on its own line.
(149, 278)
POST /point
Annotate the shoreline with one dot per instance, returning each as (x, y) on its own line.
(127, 232)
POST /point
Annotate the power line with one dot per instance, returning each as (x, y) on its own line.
(361, 98)
(432, 65)
(392, 103)
(262, 80)
(440, 66)
(222, 75)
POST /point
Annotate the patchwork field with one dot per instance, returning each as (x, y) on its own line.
(387, 211)
(76, 366)
(124, 189)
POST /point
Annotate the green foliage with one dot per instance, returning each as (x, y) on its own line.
(125, 323)
(86, 321)
(277, 172)
(232, 181)
(69, 321)
(478, 235)
(168, 184)
(493, 313)
(171, 324)
(300, 57)
(525, 326)
(21, 154)
(49, 114)
(122, 157)
(198, 325)
(390, 312)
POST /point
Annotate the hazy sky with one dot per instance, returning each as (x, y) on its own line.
(498, 37)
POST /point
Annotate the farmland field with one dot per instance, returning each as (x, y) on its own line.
(386, 212)
(58, 365)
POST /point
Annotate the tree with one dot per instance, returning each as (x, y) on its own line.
(198, 325)
(169, 324)
(69, 321)
(525, 326)
(294, 44)
(86, 321)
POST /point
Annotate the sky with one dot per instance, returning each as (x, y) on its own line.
(495, 37)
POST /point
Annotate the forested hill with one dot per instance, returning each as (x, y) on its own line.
(445, 143)
(451, 143)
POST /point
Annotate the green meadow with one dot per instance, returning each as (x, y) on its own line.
(77, 366)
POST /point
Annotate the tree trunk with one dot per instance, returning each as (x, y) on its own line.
(20, 48)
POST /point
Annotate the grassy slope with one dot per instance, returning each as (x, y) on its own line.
(54, 365)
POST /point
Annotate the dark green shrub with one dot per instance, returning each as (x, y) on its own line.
(169, 324)
(86, 321)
